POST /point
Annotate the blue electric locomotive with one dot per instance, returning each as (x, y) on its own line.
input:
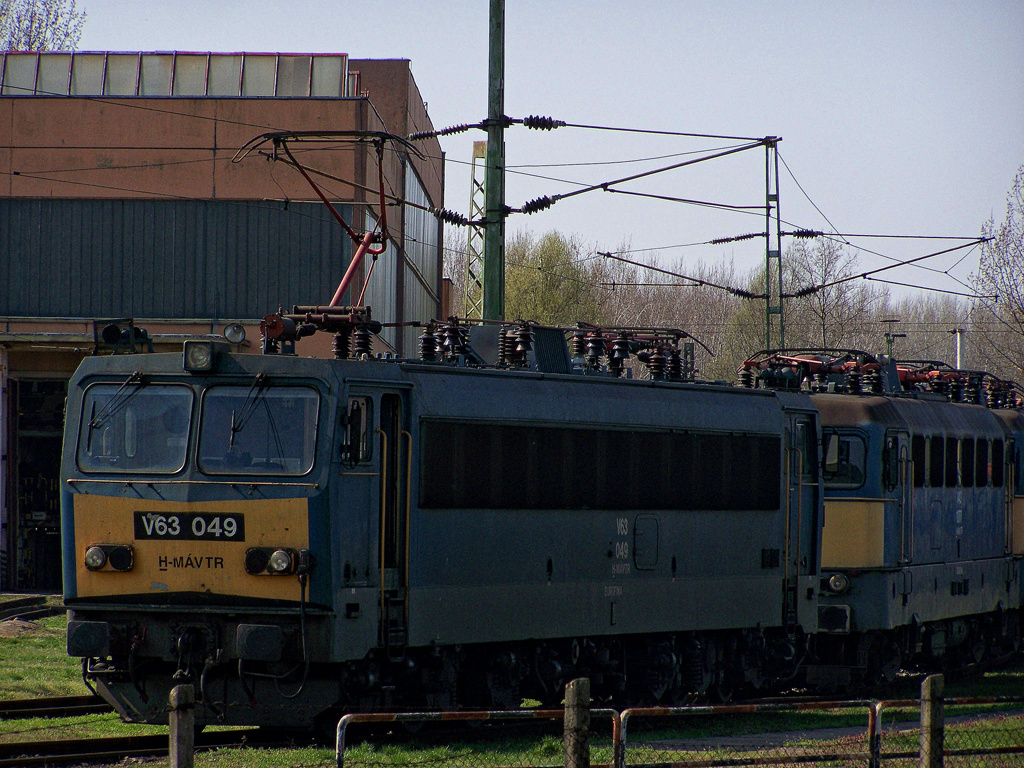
(921, 538)
(299, 536)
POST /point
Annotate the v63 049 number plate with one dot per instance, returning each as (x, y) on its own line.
(189, 526)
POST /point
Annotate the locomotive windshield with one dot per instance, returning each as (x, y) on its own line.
(259, 429)
(134, 427)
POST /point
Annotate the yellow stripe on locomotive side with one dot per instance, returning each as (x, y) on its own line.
(163, 566)
(853, 535)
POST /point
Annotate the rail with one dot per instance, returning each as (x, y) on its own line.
(112, 749)
(52, 706)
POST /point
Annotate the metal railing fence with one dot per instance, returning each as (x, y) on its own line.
(933, 732)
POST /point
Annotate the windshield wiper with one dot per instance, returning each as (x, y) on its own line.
(252, 398)
(117, 401)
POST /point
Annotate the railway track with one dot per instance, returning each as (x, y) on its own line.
(28, 608)
(52, 706)
(115, 748)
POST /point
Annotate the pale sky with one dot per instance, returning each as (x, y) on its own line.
(896, 117)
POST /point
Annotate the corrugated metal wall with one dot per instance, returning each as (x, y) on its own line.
(167, 258)
(382, 287)
(422, 256)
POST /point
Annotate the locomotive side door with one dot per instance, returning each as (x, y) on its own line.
(395, 458)
(377, 434)
(803, 525)
(898, 490)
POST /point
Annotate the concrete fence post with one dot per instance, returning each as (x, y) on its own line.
(932, 722)
(182, 726)
(577, 724)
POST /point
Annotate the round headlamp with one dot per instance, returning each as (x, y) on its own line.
(234, 332)
(95, 558)
(838, 583)
(280, 561)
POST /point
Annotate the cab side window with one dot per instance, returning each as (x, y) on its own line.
(357, 446)
(844, 459)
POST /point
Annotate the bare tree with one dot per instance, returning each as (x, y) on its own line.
(924, 328)
(640, 297)
(836, 314)
(999, 323)
(454, 268)
(744, 330)
(40, 25)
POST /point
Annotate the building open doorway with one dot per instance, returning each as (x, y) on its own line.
(35, 422)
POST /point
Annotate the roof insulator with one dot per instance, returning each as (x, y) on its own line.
(443, 132)
(745, 294)
(542, 123)
(736, 238)
(540, 204)
(451, 217)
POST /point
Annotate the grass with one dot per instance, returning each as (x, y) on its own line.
(35, 663)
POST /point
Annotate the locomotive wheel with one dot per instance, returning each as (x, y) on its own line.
(880, 657)
(892, 661)
(723, 691)
(977, 647)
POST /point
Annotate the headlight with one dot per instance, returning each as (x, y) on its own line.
(275, 561)
(198, 355)
(234, 332)
(838, 583)
(280, 562)
(256, 560)
(119, 557)
(95, 558)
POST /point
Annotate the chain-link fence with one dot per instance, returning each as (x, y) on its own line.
(833, 733)
(963, 732)
(931, 733)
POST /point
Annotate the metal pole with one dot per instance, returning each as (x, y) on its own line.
(778, 243)
(772, 255)
(494, 179)
(767, 249)
(959, 333)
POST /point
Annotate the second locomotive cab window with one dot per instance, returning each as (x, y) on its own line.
(134, 427)
(478, 465)
(844, 459)
(258, 430)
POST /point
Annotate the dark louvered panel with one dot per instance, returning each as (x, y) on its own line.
(166, 258)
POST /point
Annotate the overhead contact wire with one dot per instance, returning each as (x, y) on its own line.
(734, 291)
(542, 203)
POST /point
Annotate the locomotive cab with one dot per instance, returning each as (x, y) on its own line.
(193, 510)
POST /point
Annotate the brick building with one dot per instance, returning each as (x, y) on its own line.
(119, 201)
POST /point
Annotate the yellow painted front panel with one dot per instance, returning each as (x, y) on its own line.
(853, 535)
(1018, 525)
(164, 566)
